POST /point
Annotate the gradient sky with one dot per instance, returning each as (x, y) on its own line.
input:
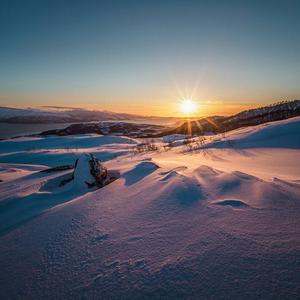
(144, 56)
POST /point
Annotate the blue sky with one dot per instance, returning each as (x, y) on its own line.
(144, 56)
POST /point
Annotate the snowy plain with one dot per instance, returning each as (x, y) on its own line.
(219, 222)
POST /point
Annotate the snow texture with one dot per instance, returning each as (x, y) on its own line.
(220, 222)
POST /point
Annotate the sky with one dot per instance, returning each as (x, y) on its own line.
(144, 57)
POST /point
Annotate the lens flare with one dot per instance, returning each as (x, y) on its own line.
(188, 106)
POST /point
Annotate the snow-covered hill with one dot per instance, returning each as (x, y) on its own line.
(260, 115)
(109, 128)
(220, 221)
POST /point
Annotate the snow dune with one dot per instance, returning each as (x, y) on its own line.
(220, 222)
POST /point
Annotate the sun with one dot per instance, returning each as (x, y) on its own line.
(188, 106)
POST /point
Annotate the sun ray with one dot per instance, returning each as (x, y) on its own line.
(189, 127)
(209, 120)
(198, 125)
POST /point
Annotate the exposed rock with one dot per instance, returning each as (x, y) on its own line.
(89, 172)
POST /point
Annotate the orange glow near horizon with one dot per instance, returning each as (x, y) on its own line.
(167, 105)
(165, 109)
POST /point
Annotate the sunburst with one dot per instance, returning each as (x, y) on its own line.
(188, 106)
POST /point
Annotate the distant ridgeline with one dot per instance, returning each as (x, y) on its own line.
(214, 124)
(217, 124)
(109, 128)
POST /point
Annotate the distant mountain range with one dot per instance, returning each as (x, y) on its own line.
(100, 125)
(218, 124)
(63, 115)
(214, 124)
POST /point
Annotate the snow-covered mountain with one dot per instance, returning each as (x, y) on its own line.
(8, 114)
(65, 115)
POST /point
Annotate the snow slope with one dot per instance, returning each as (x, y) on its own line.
(53, 150)
(280, 134)
(220, 222)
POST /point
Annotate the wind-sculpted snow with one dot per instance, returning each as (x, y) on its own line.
(53, 142)
(214, 223)
(233, 203)
(53, 151)
(140, 171)
(280, 134)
